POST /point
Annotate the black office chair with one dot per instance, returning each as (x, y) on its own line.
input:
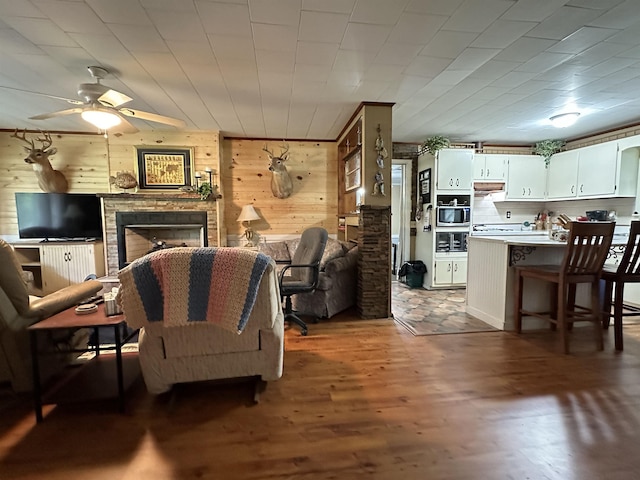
(304, 271)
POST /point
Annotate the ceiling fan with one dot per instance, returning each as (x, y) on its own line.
(102, 106)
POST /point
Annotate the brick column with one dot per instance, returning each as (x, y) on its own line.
(374, 263)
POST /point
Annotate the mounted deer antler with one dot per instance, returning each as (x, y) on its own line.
(281, 184)
(49, 179)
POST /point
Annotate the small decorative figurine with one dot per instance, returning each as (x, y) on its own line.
(378, 186)
(382, 152)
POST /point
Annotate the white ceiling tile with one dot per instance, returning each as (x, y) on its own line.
(331, 6)
(70, 56)
(582, 39)
(494, 69)
(448, 44)
(353, 61)
(631, 52)
(275, 37)
(168, 5)
(225, 18)
(40, 31)
(309, 73)
(477, 16)
(533, 11)
(72, 16)
(322, 27)
(367, 38)
(178, 26)
(232, 47)
(371, 90)
(275, 12)
(427, 66)
(620, 17)
(563, 22)
(502, 33)
(299, 120)
(314, 53)
(544, 61)
(120, 11)
(12, 42)
(599, 53)
(191, 52)
(378, 12)
(400, 54)
(383, 72)
(451, 77)
(628, 36)
(473, 58)
(609, 66)
(416, 29)
(525, 49)
(272, 61)
(433, 7)
(137, 39)
(514, 79)
(303, 91)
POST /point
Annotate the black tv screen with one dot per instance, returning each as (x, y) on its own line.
(59, 215)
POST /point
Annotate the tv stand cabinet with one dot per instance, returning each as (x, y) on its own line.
(56, 265)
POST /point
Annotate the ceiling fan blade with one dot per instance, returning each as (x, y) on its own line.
(69, 100)
(125, 126)
(113, 98)
(153, 117)
(60, 113)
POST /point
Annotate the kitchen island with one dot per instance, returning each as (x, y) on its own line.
(491, 276)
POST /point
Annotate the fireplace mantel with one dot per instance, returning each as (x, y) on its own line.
(154, 196)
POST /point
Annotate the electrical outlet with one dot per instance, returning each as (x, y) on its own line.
(508, 213)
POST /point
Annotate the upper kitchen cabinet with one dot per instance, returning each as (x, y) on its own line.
(489, 167)
(562, 175)
(454, 169)
(596, 171)
(526, 177)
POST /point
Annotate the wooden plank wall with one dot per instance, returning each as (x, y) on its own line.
(247, 180)
(82, 158)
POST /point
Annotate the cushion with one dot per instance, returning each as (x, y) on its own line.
(331, 251)
(12, 280)
(276, 250)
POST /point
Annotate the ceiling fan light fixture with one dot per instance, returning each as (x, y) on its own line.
(101, 119)
(564, 119)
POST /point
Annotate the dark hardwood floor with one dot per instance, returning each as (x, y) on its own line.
(362, 399)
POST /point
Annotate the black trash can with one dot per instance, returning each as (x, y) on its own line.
(413, 273)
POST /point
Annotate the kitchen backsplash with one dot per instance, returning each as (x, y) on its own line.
(486, 210)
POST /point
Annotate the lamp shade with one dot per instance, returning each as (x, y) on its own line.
(248, 214)
(101, 118)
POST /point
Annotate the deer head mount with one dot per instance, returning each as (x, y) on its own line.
(49, 180)
(281, 184)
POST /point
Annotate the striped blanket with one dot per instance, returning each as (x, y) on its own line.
(179, 286)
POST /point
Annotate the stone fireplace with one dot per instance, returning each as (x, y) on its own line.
(136, 220)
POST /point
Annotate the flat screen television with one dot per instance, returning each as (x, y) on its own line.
(59, 216)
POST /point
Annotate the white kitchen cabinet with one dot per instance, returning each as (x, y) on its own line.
(489, 167)
(526, 177)
(64, 264)
(450, 272)
(562, 175)
(454, 169)
(597, 170)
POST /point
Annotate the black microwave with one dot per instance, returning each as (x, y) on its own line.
(449, 216)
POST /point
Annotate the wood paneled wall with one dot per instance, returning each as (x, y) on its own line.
(247, 180)
(243, 175)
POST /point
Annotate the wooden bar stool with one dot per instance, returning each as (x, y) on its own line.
(586, 251)
(628, 271)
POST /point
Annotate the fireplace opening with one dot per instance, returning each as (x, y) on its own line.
(139, 233)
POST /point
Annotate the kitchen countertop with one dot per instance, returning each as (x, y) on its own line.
(539, 240)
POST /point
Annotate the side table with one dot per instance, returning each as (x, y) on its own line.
(68, 319)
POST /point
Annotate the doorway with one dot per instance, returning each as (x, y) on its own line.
(400, 213)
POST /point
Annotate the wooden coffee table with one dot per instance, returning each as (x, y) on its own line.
(95, 378)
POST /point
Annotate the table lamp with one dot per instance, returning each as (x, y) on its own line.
(248, 214)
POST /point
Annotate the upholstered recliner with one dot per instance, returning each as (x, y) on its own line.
(189, 330)
(18, 311)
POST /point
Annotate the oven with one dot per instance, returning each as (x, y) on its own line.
(453, 216)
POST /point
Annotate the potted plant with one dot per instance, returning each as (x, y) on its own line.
(547, 148)
(205, 190)
(435, 143)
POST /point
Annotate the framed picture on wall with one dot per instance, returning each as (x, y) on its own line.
(164, 168)
(424, 184)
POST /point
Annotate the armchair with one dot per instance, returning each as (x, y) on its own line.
(304, 271)
(18, 310)
(196, 317)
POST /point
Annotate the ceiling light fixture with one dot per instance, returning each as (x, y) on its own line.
(564, 119)
(101, 118)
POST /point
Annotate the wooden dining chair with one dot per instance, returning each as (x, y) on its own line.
(615, 278)
(587, 249)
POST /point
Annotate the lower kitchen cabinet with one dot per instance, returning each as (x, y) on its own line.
(450, 272)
